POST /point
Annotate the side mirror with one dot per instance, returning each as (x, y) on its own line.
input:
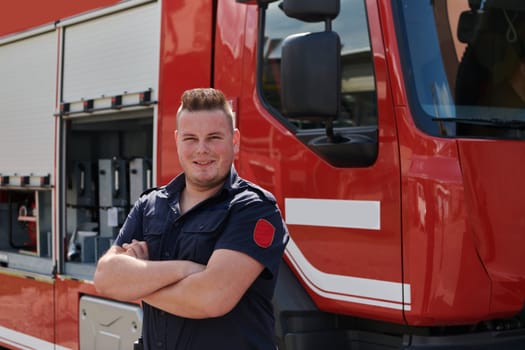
(311, 65)
(467, 26)
(311, 75)
(311, 10)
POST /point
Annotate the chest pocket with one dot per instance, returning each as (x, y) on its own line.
(198, 235)
(154, 230)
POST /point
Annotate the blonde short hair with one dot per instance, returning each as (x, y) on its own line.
(205, 99)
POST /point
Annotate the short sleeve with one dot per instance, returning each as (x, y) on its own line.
(258, 230)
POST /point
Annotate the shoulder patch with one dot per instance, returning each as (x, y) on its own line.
(263, 233)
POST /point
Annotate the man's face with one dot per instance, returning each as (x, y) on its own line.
(206, 147)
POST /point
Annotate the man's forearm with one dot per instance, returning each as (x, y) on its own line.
(123, 277)
(212, 292)
(189, 297)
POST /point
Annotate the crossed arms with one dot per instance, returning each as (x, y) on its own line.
(180, 287)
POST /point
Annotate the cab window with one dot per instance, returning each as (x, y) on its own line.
(357, 119)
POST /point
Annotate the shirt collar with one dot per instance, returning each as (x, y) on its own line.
(175, 186)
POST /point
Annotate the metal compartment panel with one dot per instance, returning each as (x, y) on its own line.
(105, 324)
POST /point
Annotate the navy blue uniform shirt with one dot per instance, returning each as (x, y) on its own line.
(241, 217)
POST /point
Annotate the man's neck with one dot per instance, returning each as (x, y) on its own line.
(190, 197)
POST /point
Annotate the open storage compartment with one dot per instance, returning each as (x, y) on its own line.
(25, 239)
(108, 165)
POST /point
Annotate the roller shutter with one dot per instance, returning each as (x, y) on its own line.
(28, 75)
(112, 55)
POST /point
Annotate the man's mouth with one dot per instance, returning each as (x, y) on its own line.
(203, 162)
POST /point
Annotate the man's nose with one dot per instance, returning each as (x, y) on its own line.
(202, 146)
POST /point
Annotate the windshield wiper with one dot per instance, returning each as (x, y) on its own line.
(511, 123)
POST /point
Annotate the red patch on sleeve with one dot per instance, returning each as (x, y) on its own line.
(263, 233)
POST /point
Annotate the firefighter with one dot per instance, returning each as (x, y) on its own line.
(203, 251)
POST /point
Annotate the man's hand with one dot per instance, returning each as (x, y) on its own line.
(136, 249)
(139, 250)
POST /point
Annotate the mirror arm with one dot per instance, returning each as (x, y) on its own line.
(328, 25)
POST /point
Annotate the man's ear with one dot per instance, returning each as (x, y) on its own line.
(236, 140)
(175, 135)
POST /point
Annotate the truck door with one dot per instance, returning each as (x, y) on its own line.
(341, 198)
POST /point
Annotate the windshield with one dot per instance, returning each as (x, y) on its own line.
(465, 66)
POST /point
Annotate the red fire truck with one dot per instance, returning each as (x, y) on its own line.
(392, 133)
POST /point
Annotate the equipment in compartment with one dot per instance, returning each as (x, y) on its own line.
(84, 184)
(82, 207)
(26, 214)
(99, 196)
(113, 182)
(82, 194)
(111, 219)
(113, 193)
(81, 246)
(139, 177)
(27, 219)
(108, 163)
